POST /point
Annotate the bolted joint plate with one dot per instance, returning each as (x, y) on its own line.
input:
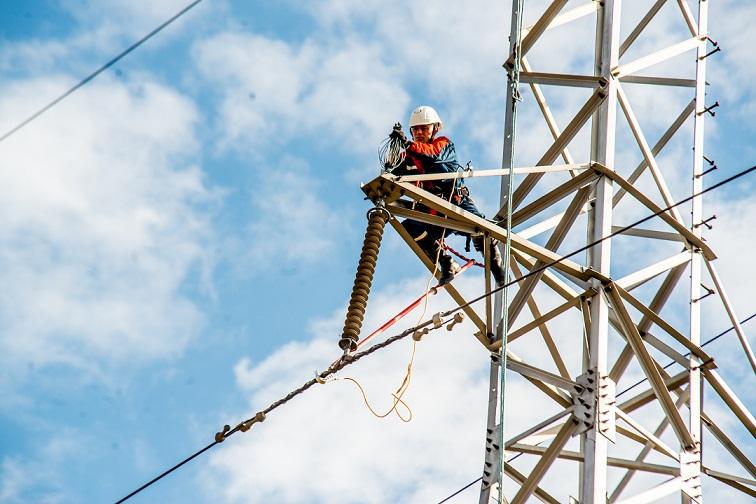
(492, 461)
(690, 471)
(594, 404)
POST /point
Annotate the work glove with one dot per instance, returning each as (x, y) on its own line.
(399, 134)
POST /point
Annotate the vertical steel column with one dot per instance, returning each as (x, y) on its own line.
(594, 470)
(494, 429)
(696, 393)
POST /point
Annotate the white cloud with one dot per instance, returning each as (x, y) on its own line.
(103, 220)
(329, 443)
(37, 477)
(273, 91)
(118, 19)
(289, 224)
(335, 450)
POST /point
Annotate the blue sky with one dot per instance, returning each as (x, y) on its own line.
(178, 238)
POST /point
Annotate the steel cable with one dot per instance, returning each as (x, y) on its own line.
(348, 359)
(97, 72)
(628, 389)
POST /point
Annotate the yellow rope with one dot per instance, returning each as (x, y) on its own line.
(399, 393)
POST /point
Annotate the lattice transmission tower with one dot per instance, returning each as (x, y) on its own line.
(584, 328)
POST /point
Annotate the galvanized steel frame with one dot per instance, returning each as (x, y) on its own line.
(596, 187)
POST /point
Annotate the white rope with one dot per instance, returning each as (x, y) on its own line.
(514, 83)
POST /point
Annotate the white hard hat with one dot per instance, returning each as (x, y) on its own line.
(425, 115)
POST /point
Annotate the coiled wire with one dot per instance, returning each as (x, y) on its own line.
(391, 153)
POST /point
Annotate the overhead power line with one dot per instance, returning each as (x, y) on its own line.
(603, 238)
(97, 72)
(352, 358)
(628, 389)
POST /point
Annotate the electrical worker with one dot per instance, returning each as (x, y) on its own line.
(428, 153)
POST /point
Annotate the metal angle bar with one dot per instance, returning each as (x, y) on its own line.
(564, 400)
(656, 57)
(555, 240)
(731, 313)
(731, 482)
(688, 15)
(658, 344)
(487, 285)
(648, 364)
(585, 309)
(551, 197)
(535, 429)
(546, 112)
(655, 493)
(518, 477)
(660, 299)
(731, 447)
(647, 396)
(456, 296)
(732, 400)
(542, 375)
(660, 144)
(732, 477)
(549, 340)
(494, 172)
(453, 211)
(550, 279)
(640, 26)
(537, 28)
(548, 457)
(558, 79)
(569, 16)
(427, 218)
(575, 125)
(611, 461)
(640, 138)
(545, 225)
(644, 200)
(667, 350)
(572, 303)
(645, 233)
(695, 404)
(647, 434)
(664, 325)
(648, 446)
(634, 436)
(554, 393)
(658, 81)
(492, 432)
(633, 280)
(544, 330)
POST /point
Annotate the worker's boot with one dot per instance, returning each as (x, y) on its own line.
(497, 263)
(449, 268)
(498, 270)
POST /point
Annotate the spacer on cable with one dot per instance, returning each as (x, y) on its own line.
(259, 417)
(418, 335)
(458, 317)
(437, 322)
(220, 436)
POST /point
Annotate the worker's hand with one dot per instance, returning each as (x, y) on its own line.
(398, 133)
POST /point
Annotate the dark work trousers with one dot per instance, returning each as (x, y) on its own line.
(427, 235)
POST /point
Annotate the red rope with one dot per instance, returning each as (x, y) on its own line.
(466, 259)
(396, 318)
